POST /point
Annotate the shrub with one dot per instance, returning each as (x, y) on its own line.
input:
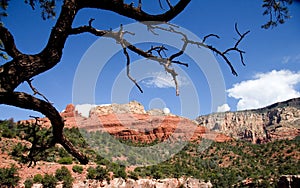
(68, 182)
(91, 173)
(8, 129)
(49, 181)
(78, 169)
(133, 175)
(63, 174)
(18, 150)
(98, 173)
(120, 172)
(28, 183)
(63, 153)
(38, 178)
(9, 177)
(65, 160)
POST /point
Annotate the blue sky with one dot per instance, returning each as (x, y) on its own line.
(271, 74)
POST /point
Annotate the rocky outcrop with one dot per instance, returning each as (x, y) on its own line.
(277, 121)
(131, 121)
(141, 183)
(133, 107)
(147, 183)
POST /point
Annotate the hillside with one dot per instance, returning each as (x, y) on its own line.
(275, 122)
(205, 158)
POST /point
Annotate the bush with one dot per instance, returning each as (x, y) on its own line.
(92, 173)
(65, 160)
(18, 150)
(28, 183)
(38, 178)
(63, 174)
(98, 173)
(9, 177)
(77, 169)
(63, 153)
(49, 181)
(120, 172)
(133, 175)
(68, 183)
(8, 129)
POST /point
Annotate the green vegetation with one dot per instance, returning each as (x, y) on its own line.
(65, 160)
(63, 174)
(77, 169)
(49, 181)
(28, 183)
(37, 178)
(8, 129)
(224, 164)
(98, 173)
(9, 177)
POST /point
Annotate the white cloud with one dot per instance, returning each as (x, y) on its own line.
(291, 59)
(164, 80)
(265, 89)
(223, 108)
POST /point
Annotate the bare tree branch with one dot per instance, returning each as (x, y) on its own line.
(202, 44)
(210, 35)
(158, 49)
(128, 70)
(35, 91)
(165, 61)
(169, 3)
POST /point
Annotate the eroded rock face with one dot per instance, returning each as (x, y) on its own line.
(278, 121)
(131, 121)
(132, 107)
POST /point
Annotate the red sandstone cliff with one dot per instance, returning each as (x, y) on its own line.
(131, 121)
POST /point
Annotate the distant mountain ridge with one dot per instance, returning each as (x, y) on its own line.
(277, 121)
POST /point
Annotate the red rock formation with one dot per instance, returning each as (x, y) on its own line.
(139, 126)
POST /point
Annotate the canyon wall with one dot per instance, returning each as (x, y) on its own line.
(277, 121)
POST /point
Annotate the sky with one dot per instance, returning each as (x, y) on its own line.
(93, 70)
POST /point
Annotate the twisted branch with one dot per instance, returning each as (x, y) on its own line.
(35, 91)
(164, 60)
